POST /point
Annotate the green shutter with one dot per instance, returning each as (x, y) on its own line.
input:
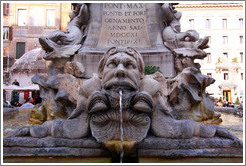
(20, 49)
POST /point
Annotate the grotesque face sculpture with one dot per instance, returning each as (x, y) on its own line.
(120, 70)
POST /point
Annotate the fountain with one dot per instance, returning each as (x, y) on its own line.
(122, 112)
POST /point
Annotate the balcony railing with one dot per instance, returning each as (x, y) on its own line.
(228, 66)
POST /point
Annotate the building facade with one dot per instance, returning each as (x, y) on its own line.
(224, 24)
(22, 25)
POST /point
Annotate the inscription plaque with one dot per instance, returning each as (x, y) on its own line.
(124, 24)
(138, 25)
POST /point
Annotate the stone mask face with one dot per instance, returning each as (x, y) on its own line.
(121, 71)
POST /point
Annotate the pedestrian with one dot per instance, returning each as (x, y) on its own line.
(38, 100)
(16, 83)
(28, 103)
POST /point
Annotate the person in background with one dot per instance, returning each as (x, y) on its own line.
(15, 94)
(38, 100)
(28, 103)
(16, 83)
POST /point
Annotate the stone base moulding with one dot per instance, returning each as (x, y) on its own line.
(149, 147)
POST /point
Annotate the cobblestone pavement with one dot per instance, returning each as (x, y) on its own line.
(21, 119)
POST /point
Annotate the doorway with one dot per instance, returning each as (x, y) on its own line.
(227, 95)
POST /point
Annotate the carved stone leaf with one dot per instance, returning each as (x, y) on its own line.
(105, 126)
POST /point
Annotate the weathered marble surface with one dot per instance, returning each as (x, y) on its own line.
(149, 103)
(150, 147)
(143, 31)
(235, 111)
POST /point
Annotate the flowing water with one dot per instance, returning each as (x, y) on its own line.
(121, 128)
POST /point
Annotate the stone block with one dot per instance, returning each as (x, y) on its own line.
(150, 147)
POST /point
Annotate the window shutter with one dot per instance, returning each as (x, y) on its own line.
(20, 49)
(6, 9)
(10, 33)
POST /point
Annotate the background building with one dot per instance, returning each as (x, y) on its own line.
(22, 25)
(224, 24)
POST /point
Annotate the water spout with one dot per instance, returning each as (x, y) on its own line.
(121, 128)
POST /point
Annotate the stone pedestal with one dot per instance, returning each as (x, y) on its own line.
(53, 147)
(137, 25)
(194, 147)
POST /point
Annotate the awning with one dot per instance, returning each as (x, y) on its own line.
(19, 88)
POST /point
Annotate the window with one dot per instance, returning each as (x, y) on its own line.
(208, 58)
(240, 22)
(20, 49)
(191, 22)
(209, 38)
(209, 74)
(208, 23)
(73, 7)
(226, 77)
(6, 9)
(50, 18)
(225, 39)
(22, 17)
(241, 95)
(241, 76)
(241, 57)
(225, 54)
(224, 23)
(5, 33)
(241, 39)
(241, 92)
(7, 62)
